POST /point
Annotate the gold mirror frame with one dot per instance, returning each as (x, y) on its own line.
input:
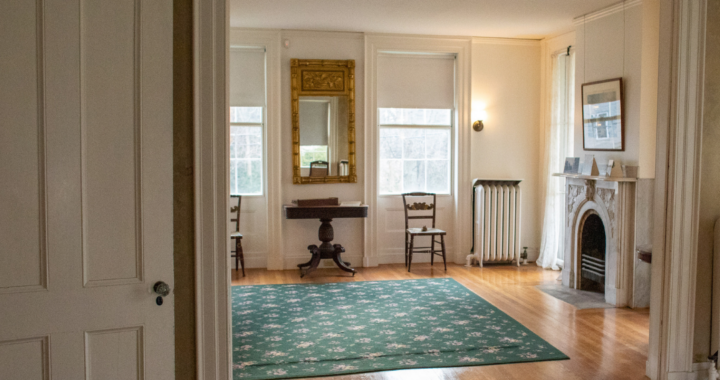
(321, 77)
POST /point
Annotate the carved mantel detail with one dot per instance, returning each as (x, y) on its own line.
(607, 197)
(589, 189)
(573, 194)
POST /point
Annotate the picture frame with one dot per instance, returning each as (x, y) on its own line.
(603, 115)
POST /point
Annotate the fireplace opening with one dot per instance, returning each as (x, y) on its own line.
(592, 254)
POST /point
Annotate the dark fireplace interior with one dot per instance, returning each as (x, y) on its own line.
(592, 259)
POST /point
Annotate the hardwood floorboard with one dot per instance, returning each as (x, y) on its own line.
(601, 343)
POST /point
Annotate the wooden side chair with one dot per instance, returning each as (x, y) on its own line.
(236, 236)
(410, 233)
(319, 169)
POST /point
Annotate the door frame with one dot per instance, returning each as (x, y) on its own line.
(210, 125)
(680, 104)
(677, 190)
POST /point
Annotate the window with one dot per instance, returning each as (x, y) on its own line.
(310, 153)
(415, 150)
(246, 141)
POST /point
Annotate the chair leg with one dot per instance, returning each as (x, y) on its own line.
(442, 244)
(432, 250)
(406, 248)
(410, 252)
(239, 255)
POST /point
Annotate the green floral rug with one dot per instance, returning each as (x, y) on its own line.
(309, 330)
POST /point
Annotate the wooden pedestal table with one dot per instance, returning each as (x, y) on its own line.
(326, 250)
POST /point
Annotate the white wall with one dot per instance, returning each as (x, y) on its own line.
(298, 234)
(610, 47)
(506, 79)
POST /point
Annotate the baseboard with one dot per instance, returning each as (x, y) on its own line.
(370, 261)
(399, 258)
(700, 371)
(703, 371)
(252, 260)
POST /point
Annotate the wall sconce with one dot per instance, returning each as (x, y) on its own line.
(479, 116)
(478, 125)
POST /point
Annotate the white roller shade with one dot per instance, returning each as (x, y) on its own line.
(247, 77)
(416, 81)
(314, 122)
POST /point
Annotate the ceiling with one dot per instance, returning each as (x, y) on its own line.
(481, 18)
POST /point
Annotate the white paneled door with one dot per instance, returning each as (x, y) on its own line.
(85, 189)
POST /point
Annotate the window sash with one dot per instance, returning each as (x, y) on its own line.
(234, 182)
(425, 160)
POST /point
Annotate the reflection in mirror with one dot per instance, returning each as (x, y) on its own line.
(323, 135)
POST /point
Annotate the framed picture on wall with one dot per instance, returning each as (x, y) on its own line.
(603, 126)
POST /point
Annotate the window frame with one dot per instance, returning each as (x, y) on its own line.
(262, 158)
(451, 150)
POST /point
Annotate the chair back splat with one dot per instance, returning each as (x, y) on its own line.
(419, 206)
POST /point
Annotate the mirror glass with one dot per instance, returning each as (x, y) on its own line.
(323, 136)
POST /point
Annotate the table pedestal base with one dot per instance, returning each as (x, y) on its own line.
(325, 250)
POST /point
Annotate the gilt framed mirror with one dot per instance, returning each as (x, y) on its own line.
(323, 121)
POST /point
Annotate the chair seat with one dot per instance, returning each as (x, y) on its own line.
(235, 235)
(430, 231)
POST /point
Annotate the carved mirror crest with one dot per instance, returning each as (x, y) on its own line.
(323, 121)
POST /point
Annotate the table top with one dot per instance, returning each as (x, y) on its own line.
(325, 212)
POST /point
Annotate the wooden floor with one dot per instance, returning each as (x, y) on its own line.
(601, 343)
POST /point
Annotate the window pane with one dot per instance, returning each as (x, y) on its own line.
(415, 116)
(414, 159)
(246, 160)
(437, 143)
(438, 176)
(414, 144)
(414, 175)
(248, 176)
(246, 115)
(391, 145)
(310, 153)
(391, 176)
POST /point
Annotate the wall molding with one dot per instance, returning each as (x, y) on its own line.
(289, 33)
(506, 41)
(615, 8)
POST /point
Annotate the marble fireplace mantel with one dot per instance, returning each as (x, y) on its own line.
(613, 200)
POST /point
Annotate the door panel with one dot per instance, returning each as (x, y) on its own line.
(27, 358)
(86, 226)
(23, 202)
(114, 354)
(111, 129)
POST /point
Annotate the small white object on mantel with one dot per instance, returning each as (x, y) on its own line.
(590, 166)
(613, 169)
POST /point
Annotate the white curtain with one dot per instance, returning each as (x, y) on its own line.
(559, 140)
